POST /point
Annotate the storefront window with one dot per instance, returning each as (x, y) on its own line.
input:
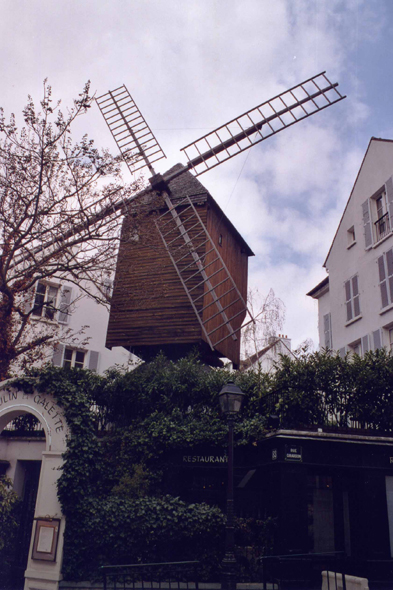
(320, 513)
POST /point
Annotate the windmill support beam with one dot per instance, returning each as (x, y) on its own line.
(201, 269)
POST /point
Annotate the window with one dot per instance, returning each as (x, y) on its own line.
(73, 358)
(385, 270)
(355, 348)
(381, 216)
(351, 236)
(45, 301)
(65, 356)
(320, 513)
(377, 214)
(352, 298)
(391, 340)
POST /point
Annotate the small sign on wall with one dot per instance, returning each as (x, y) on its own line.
(293, 453)
(45, 539)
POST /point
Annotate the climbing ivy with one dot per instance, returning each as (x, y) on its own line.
(123, 428)
(9, 519)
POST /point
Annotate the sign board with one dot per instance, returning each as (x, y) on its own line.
(293, 453)
(46, 539)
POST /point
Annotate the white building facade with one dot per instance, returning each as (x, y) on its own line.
(80, 324)
(355, 300)
(266, 359)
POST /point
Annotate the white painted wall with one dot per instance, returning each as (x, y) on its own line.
(344, 261)
(85, 312)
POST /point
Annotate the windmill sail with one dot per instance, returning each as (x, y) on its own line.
(268, 118)
(134, 138)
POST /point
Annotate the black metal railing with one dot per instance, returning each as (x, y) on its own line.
(382, 226)
(175, 575)
(304, 570)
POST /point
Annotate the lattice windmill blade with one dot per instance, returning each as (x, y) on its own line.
(264, 120)
(198, 263)
(134, 138)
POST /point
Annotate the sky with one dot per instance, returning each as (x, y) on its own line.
(192, 65)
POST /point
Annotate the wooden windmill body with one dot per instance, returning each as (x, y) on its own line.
(150, 309)
(181, 278)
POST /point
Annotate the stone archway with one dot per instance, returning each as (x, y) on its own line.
(41, 573)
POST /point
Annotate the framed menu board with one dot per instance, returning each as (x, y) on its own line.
(46, 538)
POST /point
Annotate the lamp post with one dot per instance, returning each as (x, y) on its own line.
(231, 398)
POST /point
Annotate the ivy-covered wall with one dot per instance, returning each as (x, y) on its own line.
(112, 488)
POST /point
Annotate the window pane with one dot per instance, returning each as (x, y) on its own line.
(67, 362)
(349, 311)
(41, 288)
(347, 290)
(356, 306)
(38, 304)
(79, 359)
(355, 289)
(51, 303)
(68, 354)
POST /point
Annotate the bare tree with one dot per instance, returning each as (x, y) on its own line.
(269, 314)
(59, 221)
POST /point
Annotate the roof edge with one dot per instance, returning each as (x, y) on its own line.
(319, 287)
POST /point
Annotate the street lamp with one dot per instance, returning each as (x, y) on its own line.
(231, 398)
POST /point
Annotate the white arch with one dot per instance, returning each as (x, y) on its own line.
(14, 403)
(11, 412)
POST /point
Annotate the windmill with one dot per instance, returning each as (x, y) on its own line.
(188, 285)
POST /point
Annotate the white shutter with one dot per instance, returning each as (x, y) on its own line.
(389, 268)
(377, 340)
(382, 282)
(365, 345)
(341, 352)
(327, 330)
(64, 305)
(348, 299)
(389, 198)
(355, 296)
(57, 358)
(93, 360)
(368, 238)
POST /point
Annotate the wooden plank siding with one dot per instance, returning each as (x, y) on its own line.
(235, 257)
(149, 304)
(150, 309)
